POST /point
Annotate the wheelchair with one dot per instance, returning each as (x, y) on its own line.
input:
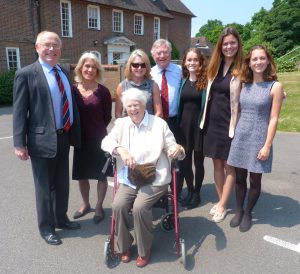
(169, 221)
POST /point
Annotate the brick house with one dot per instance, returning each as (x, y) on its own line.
(203, 44)
(111, 29)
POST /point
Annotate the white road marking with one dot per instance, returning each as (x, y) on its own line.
(282, 243)
(8, 137)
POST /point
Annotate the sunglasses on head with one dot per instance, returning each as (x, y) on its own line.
(138, 65)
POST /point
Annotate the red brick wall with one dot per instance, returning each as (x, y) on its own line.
(21, 32)
(180, 32)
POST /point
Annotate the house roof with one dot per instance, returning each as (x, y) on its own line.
(155, 7)
(177, 6)
(203, 44)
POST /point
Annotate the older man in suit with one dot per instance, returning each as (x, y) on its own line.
(45, 124)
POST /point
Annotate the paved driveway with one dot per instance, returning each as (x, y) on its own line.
(271, 246)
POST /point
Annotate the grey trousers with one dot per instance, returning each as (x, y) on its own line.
(142, 201)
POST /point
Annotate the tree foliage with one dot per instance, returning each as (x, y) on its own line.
(278, 28)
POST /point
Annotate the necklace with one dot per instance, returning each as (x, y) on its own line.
(192, 83)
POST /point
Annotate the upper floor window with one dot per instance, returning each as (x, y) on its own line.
(117, 20)
(66, 18)
(13, 58)
(156, 28)
(93, 17)
(138, 24)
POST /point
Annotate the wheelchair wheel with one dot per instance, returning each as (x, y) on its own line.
(183, 252)
(111, 260)
(167, 222)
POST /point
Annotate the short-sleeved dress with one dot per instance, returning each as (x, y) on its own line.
(216, 140)
(95, 115)
(189, 113)
(252, 128)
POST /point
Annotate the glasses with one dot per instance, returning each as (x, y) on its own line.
(138, 65)
(49, 46)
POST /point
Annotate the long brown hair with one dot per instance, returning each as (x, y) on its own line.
(201, 73)
(217, 54)
(269, 74)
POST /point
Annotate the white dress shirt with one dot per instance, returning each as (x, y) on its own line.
(173, 75)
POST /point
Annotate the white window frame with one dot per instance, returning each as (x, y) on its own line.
(93, 12)
(156, 28)
(114, 29)
(138, 22)
(66, 27)
(17, 52)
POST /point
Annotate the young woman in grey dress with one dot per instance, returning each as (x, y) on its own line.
(251, 149)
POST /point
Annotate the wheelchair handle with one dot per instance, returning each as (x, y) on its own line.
(175, 164)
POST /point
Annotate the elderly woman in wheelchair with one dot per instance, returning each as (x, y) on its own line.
(145, 145)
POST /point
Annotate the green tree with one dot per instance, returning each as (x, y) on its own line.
(209, 27)
(282, 25)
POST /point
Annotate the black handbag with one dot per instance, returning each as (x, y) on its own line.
(108, 168)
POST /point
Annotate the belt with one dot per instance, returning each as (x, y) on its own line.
(60, 131)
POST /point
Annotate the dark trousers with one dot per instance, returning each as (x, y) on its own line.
(51, 179)
(172, 123)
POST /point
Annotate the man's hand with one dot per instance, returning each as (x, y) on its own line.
(22, 153)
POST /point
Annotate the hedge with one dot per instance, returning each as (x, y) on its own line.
(6, 87)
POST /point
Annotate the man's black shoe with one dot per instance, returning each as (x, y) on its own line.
(52, 239)
(69, 225)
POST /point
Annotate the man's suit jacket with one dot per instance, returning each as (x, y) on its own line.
(33, 114)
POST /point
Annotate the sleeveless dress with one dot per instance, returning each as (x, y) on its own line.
(146, 86)
(191, 134)
(216, 141)
(252, 128)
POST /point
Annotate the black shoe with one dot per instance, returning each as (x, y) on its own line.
(237, 218)
(187, 199)
(196, 200)
(246, 223)
(97, 218)
(52, 239)
(69, 225)
(179, 198)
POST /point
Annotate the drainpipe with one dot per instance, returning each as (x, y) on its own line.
(38, 14)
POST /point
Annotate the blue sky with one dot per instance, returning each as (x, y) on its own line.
(227, 11)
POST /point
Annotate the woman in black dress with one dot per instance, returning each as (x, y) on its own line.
(94, 104)
(221, 113)
(191, 103)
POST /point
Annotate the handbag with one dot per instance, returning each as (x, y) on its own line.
(108, 168)
(143, 174)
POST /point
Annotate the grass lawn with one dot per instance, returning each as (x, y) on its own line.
(289, 119)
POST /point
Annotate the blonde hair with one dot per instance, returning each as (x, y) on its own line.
(140, 53)
(217, 54)
(88, 55)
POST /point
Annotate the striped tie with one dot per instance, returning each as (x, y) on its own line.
(165, 95)
(65, 102)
